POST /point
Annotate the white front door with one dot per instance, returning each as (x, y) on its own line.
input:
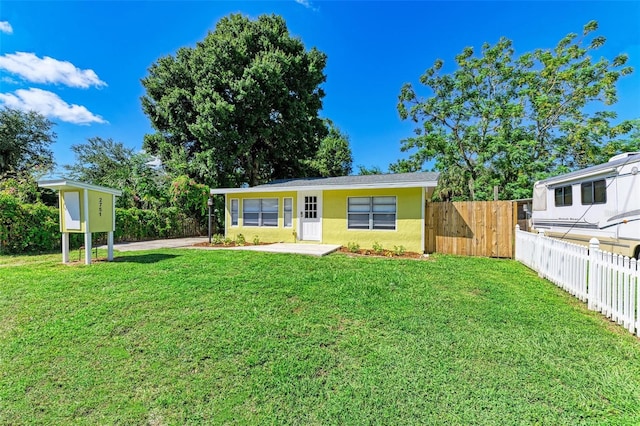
(310, 208)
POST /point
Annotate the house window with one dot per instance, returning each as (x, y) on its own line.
(594, 192)
(288, 212)
(234, 212)
(371, 213)
(564, 196)
(260, 212)
(310, 207)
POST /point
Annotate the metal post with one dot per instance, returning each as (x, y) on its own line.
(87, 229)
(110, 246)
(209, 203)
(65, 247)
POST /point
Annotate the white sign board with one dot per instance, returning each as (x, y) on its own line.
(72, 210)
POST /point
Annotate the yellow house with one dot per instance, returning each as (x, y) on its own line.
(386, 209)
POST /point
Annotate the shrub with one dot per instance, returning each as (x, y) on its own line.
(353, 247)
(240, 240)
(30, 227)
(36, 227)
(399, 250)
(256, 240)
(217, 239)
(377, 248)
(190, 196)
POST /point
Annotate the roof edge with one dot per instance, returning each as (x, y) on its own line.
(66, 184)
(257, 189)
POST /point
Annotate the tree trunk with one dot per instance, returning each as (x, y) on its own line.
(472, 190)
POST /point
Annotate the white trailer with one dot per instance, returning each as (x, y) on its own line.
(602, 201)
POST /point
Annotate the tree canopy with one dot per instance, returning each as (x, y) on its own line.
(506, 121)
(334, 154)
(25, 138)
(241, 107)
(108, 163)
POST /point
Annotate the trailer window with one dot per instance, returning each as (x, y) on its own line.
(564, 196)
(594, 192)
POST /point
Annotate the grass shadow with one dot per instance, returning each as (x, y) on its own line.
(146, 258)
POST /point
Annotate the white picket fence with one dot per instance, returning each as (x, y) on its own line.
(607, 282)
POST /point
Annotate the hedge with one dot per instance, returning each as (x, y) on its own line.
(28, 228)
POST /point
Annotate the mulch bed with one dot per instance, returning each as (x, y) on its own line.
(343, 249)
(385, 253)
(231, 244)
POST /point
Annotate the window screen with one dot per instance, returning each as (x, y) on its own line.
(371, 213)
(260, 212)
(234, 212)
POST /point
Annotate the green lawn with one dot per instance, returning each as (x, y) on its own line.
(189, 336)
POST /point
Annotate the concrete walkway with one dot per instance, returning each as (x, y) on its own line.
(294, 248)
(158, 244)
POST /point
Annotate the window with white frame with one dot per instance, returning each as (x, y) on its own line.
(234, 212)
(260, 212)
(371, 213)
(288, 212)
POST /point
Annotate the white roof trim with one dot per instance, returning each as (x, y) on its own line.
(65, 184)
(563, 179)
(421, 184)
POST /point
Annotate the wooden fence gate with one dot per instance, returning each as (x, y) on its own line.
(471, 228)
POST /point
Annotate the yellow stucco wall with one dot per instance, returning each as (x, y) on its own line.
(265, 233)
(409, 210)
(100, 211)
(409, 224)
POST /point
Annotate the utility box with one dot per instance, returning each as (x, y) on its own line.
(84, 209)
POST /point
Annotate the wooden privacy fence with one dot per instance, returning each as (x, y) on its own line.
(471, 228)
(609, 283)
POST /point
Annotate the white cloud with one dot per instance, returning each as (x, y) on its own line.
(305, 3)
(48, 70)
(50, 105)
(5, 27)
(9, 80)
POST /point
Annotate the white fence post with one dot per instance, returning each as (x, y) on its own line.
(539, 261)
(592, 281)
(517, 248)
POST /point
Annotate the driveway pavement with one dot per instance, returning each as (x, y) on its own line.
(158, 244)
(294, 248)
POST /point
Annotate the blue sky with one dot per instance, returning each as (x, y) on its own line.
(81, 63)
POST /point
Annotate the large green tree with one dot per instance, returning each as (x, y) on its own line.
(241, 107)
(109, 163)
(334, 154)
(505, 121)
(25, 138)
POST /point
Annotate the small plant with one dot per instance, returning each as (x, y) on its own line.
(256, 240)
(377, 248)
(353, 247)
(227, 241)
(217, 239)
(295, 236)
(240, 240)
(399, 250)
